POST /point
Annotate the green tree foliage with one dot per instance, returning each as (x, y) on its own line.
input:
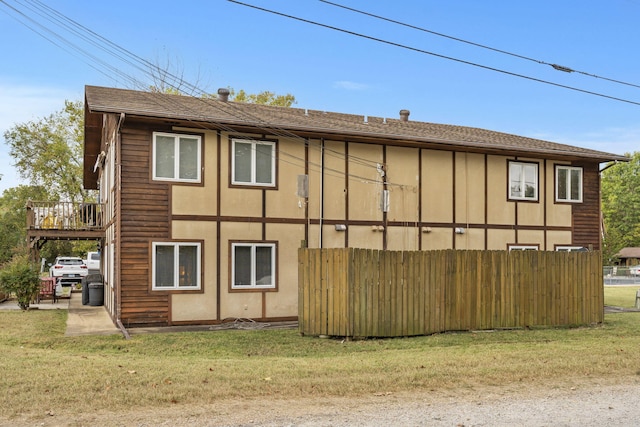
(621, 206)
(48, 152)
(20, 278)
(263, 98)
(13, 218)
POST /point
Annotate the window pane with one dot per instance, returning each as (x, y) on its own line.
(242, 162)
(188, 158)
(165, 156)
(264, 156)
(515, 180)
(562, 184)
(242, 266)
(263, 266)
(164, 266)
(188, 266)
(575, 184)
(530, 181)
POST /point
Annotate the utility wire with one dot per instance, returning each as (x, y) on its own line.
(146, 67)
(415, 49)
(555, 66)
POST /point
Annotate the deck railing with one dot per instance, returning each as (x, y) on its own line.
(56, 215)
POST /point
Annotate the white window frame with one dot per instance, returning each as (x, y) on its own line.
(522, 166)
(253, 180)
(176, 271)
(253, 246)
(176, 162)
(523, 248)
(569, 248)
(569, 169)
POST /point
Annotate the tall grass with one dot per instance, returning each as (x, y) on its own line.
(41, 368)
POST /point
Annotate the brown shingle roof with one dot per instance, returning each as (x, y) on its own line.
(280, 120)
(628, 253)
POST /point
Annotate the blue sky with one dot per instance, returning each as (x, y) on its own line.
(219, 43)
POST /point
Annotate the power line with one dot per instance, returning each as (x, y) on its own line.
(555, 66)
(426, 52)
(141, 64)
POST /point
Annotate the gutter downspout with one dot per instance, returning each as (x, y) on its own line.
(321, 192)
(117, 225)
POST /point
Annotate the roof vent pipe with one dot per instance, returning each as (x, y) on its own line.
(404, 115)
(223, 94)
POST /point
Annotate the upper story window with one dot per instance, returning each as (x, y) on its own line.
(253, 265)
(176, 266)
(253, 162)
(568, 184)
(523, 181)
(176, 157)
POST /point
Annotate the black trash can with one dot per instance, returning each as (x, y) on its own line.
(89, 278)
(96, 294)
(85, 291)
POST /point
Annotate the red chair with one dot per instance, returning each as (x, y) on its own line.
(47, 290)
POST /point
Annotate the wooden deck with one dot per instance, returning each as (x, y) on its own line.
(55, 220)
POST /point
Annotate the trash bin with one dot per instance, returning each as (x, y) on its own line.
(96, 294)
(85, 291)
(89, 278)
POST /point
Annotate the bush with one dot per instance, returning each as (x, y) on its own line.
(21, 278)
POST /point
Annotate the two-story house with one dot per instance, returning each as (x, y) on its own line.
(206, 201)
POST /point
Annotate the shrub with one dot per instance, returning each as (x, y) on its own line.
(20, 277)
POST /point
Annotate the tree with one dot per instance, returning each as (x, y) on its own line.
(48, 152)
(20, 278)
(13, 218)
(265, 98)
(621, 206)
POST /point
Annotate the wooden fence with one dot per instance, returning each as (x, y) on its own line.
(371, 293)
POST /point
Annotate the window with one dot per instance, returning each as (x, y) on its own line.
(568, 184)
(253, 163)
(523, 248)
(571, 249)
(176, 266)
(253, 265)
(176, 157)
(523, 181)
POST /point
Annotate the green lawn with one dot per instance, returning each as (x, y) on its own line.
(40, 365)
(620, 296)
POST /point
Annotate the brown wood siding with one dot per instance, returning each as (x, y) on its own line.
(144, 218)
(586, 215)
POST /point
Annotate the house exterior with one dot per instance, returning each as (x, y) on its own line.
(206, 201)
(628, 256)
